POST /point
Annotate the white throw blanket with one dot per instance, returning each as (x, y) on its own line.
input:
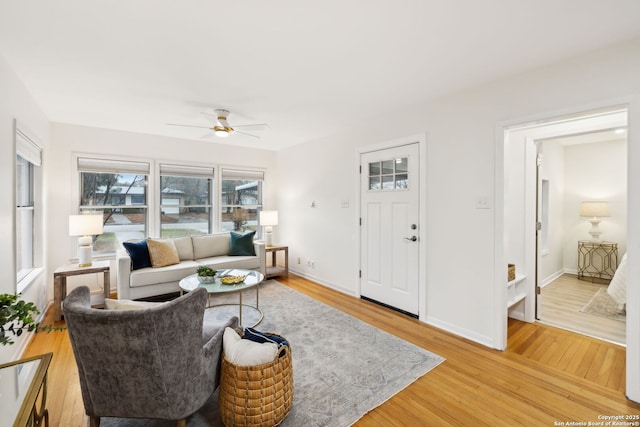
(618, 287)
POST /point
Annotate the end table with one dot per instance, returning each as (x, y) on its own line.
(274, 270)
(60, 282)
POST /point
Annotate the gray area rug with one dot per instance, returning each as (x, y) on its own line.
(603, 305)
(342, 367)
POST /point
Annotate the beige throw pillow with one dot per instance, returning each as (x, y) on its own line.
(127, 304)
(162, 253)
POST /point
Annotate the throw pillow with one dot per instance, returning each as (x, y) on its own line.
(242, 244)
(127, 304)
(242, 352)
(162, 252)
(262, 337)
(139, 254)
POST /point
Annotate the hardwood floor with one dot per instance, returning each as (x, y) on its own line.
(546, 375)
(561, 302)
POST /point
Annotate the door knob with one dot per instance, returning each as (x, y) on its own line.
(412, 238)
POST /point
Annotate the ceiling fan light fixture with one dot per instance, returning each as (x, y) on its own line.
(220, 131)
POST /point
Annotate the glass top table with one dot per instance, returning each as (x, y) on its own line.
(20, 384)
(252, 280)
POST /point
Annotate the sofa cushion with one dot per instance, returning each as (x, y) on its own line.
(171, 273)
(210, 245)
(162, 252)
(242, 244)
(229, 262)
(184, 247)
(139, 254)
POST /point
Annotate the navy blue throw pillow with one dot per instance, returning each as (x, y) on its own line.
(262, 337)
(242, 244)
(139, 253)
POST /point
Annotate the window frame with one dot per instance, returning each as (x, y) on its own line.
(241, 173)
(30, 152)
(191, 171)
(119, 165)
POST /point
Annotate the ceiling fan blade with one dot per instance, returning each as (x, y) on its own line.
(256, 127)
(188, 126)
(245, 133)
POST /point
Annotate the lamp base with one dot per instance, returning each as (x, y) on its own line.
(595, 230)
(268, 237)
(85, 256)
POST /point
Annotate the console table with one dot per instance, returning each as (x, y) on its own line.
(597, 260)
(60, 282)
(21, 383)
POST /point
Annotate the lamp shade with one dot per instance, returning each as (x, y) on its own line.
(85, 225)
(268, 218)
(594, 209)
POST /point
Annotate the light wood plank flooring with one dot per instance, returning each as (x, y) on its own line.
(547, 375)
(561, 302)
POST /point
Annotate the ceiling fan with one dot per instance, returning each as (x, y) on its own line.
(222, 128)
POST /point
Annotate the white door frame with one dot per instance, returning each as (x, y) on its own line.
(633, 230)
(421, 139)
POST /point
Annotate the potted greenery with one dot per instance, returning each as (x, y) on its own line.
(16, 316)
(206, 274)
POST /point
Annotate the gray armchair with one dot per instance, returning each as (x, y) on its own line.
(158, 362)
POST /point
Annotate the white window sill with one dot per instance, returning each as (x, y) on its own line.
(27, 280)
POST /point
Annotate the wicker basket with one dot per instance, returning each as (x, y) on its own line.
(256, 395)
(511, 272)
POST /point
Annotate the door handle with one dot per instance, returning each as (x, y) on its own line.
(412, 238)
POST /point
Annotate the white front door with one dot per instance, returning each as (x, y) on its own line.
(389, 231)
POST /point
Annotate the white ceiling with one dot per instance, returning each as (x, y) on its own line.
(308, 69)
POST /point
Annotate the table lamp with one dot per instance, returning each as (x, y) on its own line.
(594, 211)
(268, 219)
(85, 226)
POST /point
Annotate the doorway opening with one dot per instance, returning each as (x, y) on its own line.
(551, 168)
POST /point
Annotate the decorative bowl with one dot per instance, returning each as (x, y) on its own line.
(232, 280)
(206, 279)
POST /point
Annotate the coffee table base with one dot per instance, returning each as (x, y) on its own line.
(240, 305)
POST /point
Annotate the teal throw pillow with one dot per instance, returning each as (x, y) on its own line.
(242, 244)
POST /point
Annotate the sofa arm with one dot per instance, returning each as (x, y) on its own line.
(261, 253)
(123, 272)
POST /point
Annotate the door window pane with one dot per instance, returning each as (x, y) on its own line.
(389, 174)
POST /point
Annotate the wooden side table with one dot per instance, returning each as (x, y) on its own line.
(60, 282)
(274, 270)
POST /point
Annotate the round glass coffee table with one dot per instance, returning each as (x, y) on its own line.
(252, 280)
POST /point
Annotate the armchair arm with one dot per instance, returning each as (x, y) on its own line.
(214, 345)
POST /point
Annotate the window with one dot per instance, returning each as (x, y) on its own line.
(118, 190)
(241, 199)
(389, 174)
(28, 162)
(185, 200)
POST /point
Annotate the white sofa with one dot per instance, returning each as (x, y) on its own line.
(209, 249)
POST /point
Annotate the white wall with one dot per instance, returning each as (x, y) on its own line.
(595, 172)
(15, 103)
(551, 263)
(463, 292)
